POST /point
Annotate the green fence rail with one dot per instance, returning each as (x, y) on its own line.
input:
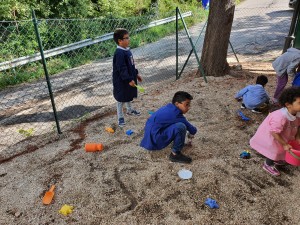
(80, 79)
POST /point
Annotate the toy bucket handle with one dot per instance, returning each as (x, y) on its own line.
(294, 155)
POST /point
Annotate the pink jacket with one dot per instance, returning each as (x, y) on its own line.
(281, 122)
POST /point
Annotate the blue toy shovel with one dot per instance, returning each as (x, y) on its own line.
(243, 116)
(129, 132)
(212, 203)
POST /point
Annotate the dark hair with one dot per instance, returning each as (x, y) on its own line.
(181, 96)
(119, 34)
(289, 95)
(262, 79)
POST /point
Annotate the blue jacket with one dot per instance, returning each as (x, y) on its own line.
(296, 81)
(154, 137)
(253, 96)
(124, 71)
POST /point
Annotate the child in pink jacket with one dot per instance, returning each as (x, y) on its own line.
(279, 127)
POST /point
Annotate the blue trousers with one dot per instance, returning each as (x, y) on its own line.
(179, 130)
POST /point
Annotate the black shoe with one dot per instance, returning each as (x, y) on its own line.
(180, 158)
(243, 106)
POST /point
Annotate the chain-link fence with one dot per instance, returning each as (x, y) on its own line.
(258, 33)
(79, 61)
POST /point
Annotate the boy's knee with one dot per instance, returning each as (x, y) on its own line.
(181, 126)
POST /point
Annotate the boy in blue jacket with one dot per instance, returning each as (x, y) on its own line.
(125, 75)
(168, 124)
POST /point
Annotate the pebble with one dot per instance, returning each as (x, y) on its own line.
(203, 84)
(18, 214)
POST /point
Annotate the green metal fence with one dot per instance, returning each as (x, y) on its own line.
(64, 69)
(78, 57)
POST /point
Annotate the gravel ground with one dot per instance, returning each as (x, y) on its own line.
(125, 184)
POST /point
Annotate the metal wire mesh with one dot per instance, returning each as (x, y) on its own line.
(79, 60)
(259, 32)
(17, 117)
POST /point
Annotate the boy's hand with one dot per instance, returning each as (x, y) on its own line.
(132, 83)
(139, 78)
(189, 139)
(190, 136)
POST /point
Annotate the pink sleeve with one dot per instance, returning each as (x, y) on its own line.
(298, 121)
(276, 124)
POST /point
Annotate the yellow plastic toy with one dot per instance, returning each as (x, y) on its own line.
(66, 209)
(110, 130)
(140, 88)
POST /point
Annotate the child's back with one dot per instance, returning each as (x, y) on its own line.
(254, 96)
(285, 65)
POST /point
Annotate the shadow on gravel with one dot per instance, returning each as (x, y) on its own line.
(68, 113)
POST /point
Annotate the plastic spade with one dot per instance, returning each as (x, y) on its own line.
(140, 88)
(49, 196)
(243, 116)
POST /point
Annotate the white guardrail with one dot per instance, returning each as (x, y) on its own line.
(66, 48)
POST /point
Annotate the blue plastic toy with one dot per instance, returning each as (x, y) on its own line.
(211, 203)
(296, 81)
(129, 132)
(245, 155)
(205, 4)
(243, 116)
(150, 112)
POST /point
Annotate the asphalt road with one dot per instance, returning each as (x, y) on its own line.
(260, 27)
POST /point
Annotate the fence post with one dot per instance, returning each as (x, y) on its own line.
(292, 31)
(234, 52)
(193, 46)
(186, 61)
(177, 43)
(45, 69)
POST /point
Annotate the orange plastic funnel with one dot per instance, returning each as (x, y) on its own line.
(49, 196)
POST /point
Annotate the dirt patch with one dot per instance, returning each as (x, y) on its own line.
(125, 184)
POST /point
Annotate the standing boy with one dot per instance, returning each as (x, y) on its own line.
(125, 75)
(168, 124)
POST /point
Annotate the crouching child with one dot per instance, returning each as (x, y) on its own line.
(167, 125)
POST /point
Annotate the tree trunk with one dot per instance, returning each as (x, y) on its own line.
(217, 36)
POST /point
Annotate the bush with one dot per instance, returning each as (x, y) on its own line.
(19, 38)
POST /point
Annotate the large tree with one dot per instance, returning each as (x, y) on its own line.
(217, 36)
